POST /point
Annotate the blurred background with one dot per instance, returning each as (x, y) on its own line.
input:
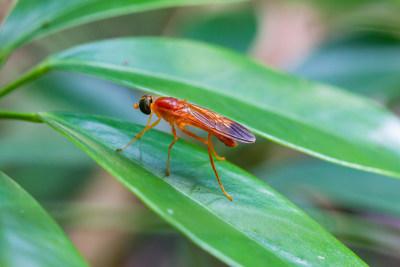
(353, 44)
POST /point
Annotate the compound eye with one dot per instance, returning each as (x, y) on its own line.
(145, 104)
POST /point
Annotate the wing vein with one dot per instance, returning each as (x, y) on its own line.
(220, 125)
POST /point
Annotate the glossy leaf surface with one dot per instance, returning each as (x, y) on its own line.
(367, 65)
(259, 226)
(318, 119)
(31, 19)
(351, 189)
(28, 235)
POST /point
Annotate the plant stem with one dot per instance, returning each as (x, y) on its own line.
(32, 117)
(34, 73)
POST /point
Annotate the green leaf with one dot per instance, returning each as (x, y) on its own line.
(231, 29)
(30, 19)
(259, 226)
(317, 119)
(372, 237)
(28, 235)
(352, 189)
(348, 63)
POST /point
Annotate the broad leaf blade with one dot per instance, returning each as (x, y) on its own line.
(259, 226)
(369, 236)
(367, 65)
(317, 119)
(31, 19)
(28, 235)
(348, 188)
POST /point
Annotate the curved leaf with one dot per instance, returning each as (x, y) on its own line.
(317, 119)
(30, 19)
(370, 237)
(28, 235)
(349, 188)
(367, 64)
(259, 226)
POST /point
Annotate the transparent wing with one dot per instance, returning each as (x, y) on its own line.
(221, 125)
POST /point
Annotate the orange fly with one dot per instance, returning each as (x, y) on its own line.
(181, 113)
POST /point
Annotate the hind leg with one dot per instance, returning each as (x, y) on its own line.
(209, 146)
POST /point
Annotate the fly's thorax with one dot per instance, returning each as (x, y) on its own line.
(169, 103)
(169, 108)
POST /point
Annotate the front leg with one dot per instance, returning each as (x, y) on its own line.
(142, 132)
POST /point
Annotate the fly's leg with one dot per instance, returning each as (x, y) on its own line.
(170, 146)
(202, 140)
(209, 153)
(142, 132)
(191, 134)
(209, 146)
(212, 148)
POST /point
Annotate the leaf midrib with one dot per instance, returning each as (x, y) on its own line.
(61, 64)
(160, 76)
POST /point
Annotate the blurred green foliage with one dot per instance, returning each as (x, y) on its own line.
(235, 30)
